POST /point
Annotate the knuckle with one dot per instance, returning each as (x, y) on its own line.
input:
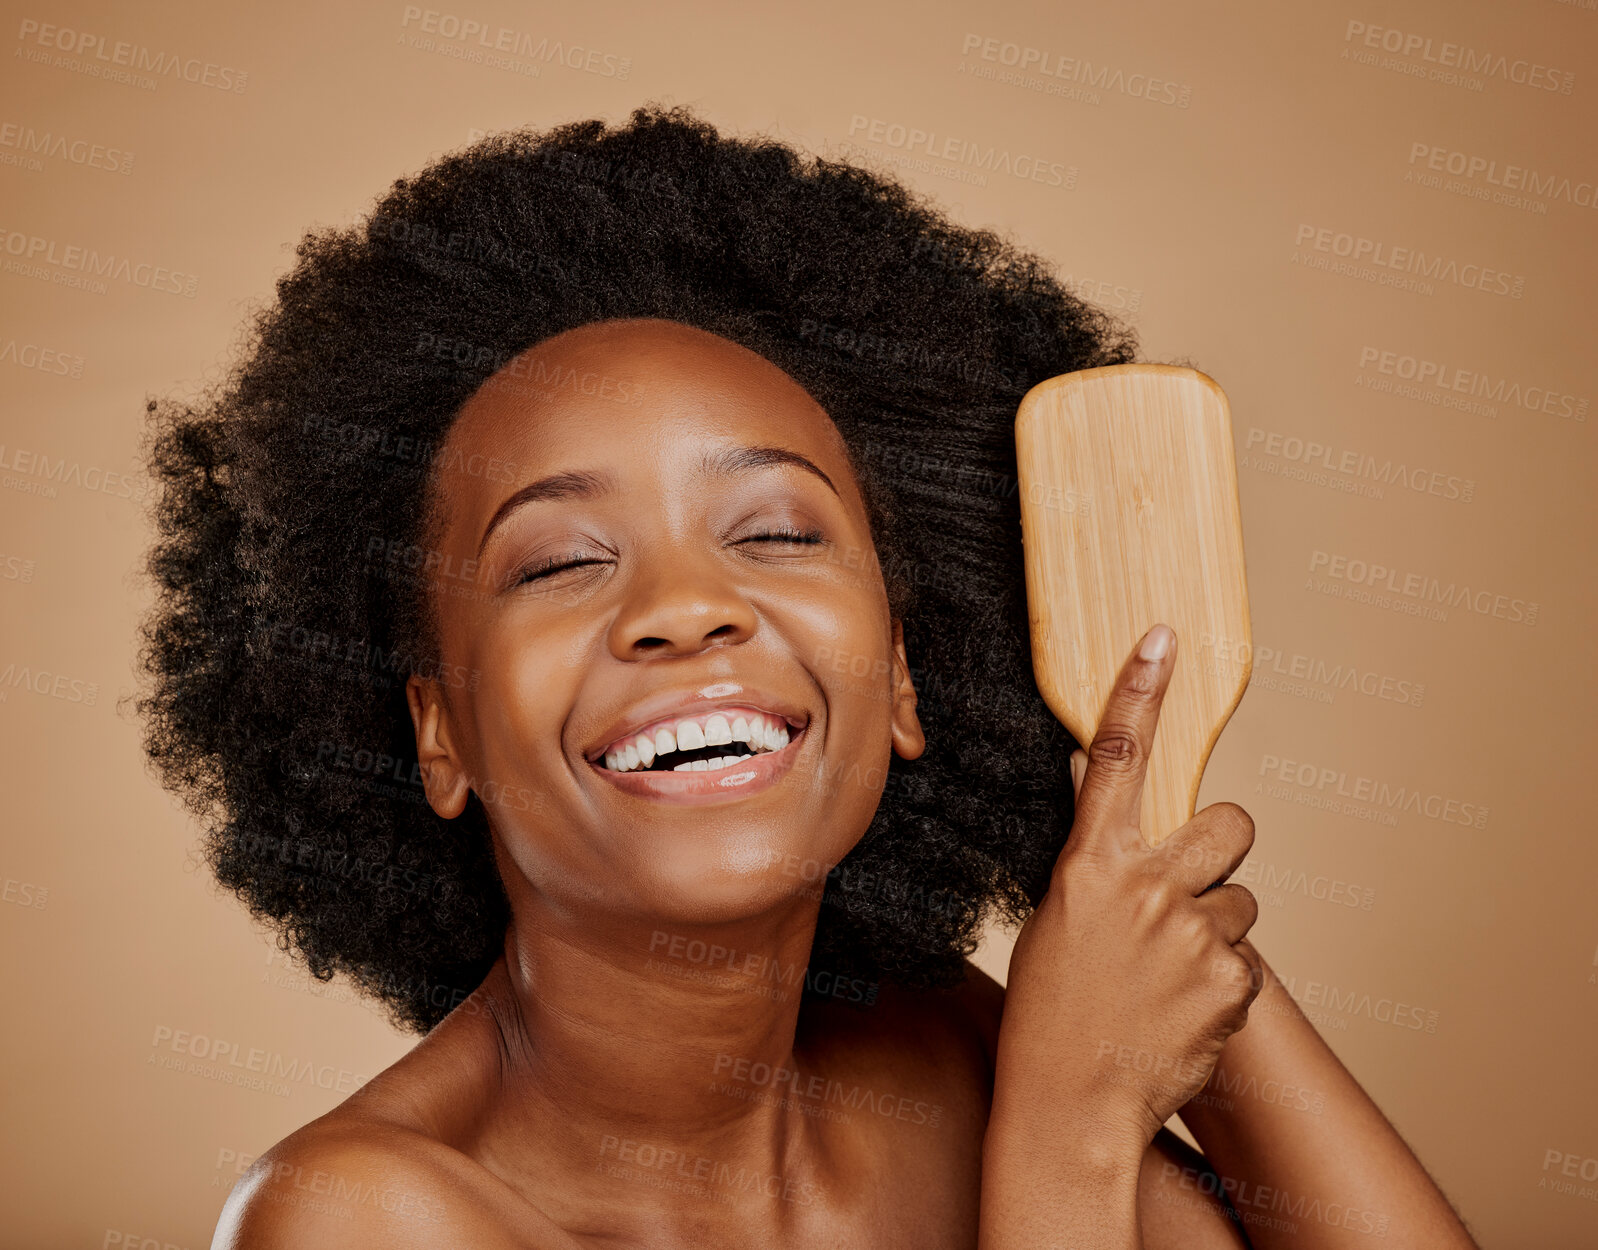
(1231, 974)
(1141, 683)
(1115, 748)
(1237, 972)
(1196, 931)
(1157, 900)
(1255, 977)
(1245, 981)
(1163, 895)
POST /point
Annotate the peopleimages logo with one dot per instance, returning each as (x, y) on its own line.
(967, 152)
(77, 265)
(1121, 298)
(1367, 258)
(1448, 57)
(93, 54)
(1076, 71)
(1506, 176)
(493, 43)
(1415, 478)
(227, 1061)
(30, 145)
(1445, 376)
(44, 359)
(1224, 656)
(1366, 798)
(37, 474)
(1422, 587)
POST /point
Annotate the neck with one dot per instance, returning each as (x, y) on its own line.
(622, 1041)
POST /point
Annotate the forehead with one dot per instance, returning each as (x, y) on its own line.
(636, 395)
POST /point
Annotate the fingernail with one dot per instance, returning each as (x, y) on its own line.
(1156, 643)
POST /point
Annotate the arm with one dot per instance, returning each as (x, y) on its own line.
(1169, 1199)
(1058, 1182)
(1181, 1202)
(1346, 1171)
(1114, 1015)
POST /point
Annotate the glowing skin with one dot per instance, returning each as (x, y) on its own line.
(602, 1085)
(682, 597)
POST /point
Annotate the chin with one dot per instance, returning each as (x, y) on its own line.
(728, 879)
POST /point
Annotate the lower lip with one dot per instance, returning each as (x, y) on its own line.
(736, 781)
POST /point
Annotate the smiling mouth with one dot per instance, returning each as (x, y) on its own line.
(707, 743)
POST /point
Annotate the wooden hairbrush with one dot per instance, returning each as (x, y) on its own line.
(1129, 517)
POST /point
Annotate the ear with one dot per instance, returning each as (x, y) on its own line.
(443, 770)
(908, 739)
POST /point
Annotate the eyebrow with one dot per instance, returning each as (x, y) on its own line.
(585, 484)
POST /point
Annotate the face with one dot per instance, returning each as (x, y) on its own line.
(653, 545)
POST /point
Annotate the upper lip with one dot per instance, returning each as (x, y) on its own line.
(684, 704)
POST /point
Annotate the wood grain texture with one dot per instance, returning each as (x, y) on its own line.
(1130, 516)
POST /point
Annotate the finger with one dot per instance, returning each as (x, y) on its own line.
(1208, 849)
(1079, 765)
(1238, 978)
(1232, 909)
(1257, 970)
(1111, 800)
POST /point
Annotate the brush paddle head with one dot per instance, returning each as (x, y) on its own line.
(1129, 517)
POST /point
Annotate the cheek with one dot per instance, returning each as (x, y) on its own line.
(843, 637)
(857, 685)
(528, 680)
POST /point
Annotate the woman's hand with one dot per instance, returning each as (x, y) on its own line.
(1124, 987)
(1133, 971)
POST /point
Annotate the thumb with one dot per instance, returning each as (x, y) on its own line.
(1079, 769)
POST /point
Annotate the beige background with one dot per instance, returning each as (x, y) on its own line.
(1186, 210)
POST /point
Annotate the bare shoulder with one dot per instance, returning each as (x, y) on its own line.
(353, 1184)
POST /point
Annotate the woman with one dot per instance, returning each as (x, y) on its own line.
(593, 620)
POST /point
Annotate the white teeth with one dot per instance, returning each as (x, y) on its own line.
(701, 766)
(761, 733)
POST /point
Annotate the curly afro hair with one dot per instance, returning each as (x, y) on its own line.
(279, 646)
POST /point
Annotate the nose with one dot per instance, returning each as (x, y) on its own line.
(679, 605)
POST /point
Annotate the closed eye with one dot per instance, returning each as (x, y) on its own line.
(786, 534)
(548, 568)
(556, 564)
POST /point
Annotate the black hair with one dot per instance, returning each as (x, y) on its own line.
(292, 542)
